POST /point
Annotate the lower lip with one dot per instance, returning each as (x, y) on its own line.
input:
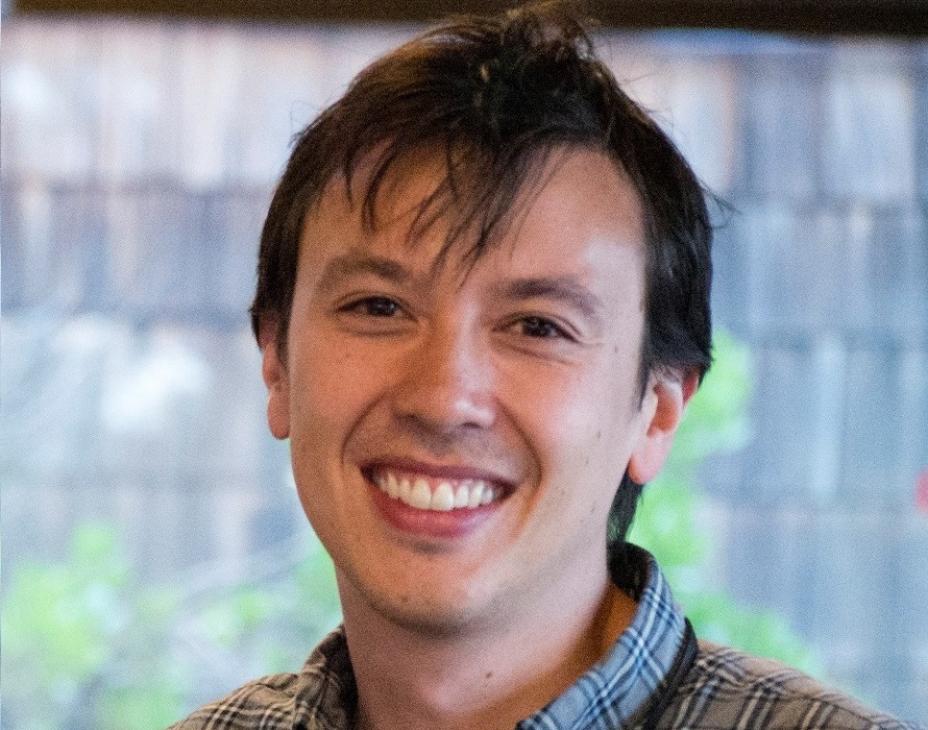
(456, 523)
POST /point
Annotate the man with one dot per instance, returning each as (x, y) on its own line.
(483, 304)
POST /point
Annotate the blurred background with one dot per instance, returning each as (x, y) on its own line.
(155, 555)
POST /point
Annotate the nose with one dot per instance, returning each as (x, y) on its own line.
(447, 384)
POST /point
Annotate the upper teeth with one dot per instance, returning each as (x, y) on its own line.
(441, 495)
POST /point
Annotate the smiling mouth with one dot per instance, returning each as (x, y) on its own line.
(424, 492)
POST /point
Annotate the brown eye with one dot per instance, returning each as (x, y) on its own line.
(541, 328)
(375, 307)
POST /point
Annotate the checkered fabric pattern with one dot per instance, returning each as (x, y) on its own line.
(723, 689)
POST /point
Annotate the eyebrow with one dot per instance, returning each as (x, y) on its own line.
(562, 288)
(354, 264)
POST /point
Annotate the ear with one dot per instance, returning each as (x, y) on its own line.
(664, 404)
(274, 372)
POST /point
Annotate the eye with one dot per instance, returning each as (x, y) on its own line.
(541, 328)
(373, 307)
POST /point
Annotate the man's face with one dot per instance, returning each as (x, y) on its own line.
(457, 435)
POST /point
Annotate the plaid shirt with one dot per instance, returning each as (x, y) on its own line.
(723, 689)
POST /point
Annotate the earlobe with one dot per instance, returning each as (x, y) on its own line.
(274, 372)
(665, 403)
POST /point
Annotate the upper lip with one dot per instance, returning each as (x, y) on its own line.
(437, 471)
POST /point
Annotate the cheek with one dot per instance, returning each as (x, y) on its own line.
(581, 425)
(326, 400)
(328, 397)
(328, 385)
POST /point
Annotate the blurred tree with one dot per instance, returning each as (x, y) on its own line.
(80, 643)
(667, 522)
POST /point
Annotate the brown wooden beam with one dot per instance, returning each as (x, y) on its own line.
(858, 17)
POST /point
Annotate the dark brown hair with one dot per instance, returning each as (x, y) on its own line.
(494, 97)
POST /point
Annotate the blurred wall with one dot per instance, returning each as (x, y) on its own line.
(137, 161)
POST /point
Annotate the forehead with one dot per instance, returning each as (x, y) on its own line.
(420, 212)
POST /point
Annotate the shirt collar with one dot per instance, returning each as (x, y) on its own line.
(328, 693)
(619, 688)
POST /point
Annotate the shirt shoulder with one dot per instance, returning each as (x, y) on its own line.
(321, 697)
(727, 688)
(268, 702)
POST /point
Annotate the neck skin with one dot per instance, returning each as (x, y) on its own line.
(480, 678)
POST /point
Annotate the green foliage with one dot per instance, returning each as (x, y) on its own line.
(718, 618)
(667, 520)
(715, 422)
(75, 636)
(272, 626)
(665, 525)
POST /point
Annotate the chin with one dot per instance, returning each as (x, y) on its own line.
(437, 622)
(444, 612)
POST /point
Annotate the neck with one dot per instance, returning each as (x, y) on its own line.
(478, 677)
